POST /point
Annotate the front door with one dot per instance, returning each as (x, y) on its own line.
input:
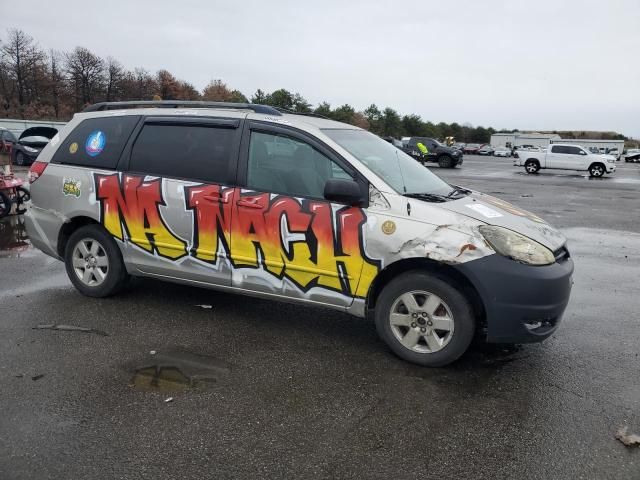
(286, 239)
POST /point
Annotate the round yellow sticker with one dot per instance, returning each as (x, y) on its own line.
(73, 148)
(388, 227)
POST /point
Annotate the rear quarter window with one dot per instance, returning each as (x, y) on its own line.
(96, 142)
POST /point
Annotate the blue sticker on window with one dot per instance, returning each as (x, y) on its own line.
(95, 143)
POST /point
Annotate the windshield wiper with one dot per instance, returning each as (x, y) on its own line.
(428, 197)
(457, 190)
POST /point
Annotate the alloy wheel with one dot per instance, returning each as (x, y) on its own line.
(421, 321)
(90, 262)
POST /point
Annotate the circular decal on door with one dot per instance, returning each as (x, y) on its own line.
(388, 227)
(95, 143)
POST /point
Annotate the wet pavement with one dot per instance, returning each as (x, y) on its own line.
(254, 389)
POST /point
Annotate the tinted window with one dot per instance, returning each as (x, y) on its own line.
(559, 149)
(204, 153)
(574, 150)
(96, 142)
(282, 164)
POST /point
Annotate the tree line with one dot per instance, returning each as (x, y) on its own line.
(41, 84)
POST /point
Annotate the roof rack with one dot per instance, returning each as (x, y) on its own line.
(102, 106)
(306, 114)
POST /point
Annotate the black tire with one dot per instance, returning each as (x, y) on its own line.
(23, 197)
(597, 170)
(20, 158)
(445, 161)
(5, 204)
(531, 166)
(460, 308)
(116, 276)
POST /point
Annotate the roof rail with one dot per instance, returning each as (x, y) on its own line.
(102, 106)
(306, 114)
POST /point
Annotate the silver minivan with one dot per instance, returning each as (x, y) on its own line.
(299, 208)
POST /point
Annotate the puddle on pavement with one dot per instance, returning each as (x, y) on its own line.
(179, 371)
(14, 241)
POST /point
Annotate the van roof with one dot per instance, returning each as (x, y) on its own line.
(197, 108)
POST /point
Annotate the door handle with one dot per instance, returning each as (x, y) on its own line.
(249, 203)
(215, 198)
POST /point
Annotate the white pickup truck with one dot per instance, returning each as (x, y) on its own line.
(566, 157)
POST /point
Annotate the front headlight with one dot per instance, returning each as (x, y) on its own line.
(516, 247)
(30, 149)
(611, 160)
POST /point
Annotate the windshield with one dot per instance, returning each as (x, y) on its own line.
(404, 174)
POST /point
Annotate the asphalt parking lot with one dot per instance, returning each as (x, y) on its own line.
(281, 391)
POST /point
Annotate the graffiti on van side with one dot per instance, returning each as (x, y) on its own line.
(131, 205)
(302, 240)
(305, 241)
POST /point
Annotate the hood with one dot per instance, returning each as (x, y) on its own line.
(48, 132)
(493, 211)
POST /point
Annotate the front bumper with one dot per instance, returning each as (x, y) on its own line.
(611, 167)
(523, 303)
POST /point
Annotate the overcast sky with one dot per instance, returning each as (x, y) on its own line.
(538, 64)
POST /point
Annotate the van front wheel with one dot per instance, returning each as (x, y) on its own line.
(94, 262)
(424, 319)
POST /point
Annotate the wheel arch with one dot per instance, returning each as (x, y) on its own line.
(442, 270)
(68, 228)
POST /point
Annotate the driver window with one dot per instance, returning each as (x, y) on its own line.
(281, 164)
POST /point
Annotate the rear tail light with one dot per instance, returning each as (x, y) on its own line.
(36, 170)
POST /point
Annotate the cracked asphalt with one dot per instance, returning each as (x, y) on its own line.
(294, 392)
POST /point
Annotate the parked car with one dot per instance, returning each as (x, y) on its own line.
(445, 157)
(31, 143)
(459, 146)
(485, 150)
(471, 148)
(7, 143)
(566, 157)
(342, 220)
(632, 155)
(394, 141)
(502, 152)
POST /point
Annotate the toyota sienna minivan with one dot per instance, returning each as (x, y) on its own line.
(247, 199)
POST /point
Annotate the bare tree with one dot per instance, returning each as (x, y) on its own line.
(115, 78)
(22, 57)
(86, 73)
(56, 81)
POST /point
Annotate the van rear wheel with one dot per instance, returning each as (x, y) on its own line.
(424, 319)
(94, 263)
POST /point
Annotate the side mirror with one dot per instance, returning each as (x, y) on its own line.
(343, 191)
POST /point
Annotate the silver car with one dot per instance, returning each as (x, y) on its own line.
(244, 198)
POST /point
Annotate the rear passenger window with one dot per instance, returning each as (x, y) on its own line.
(204, 153)
(559, 149)
(96, 142)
